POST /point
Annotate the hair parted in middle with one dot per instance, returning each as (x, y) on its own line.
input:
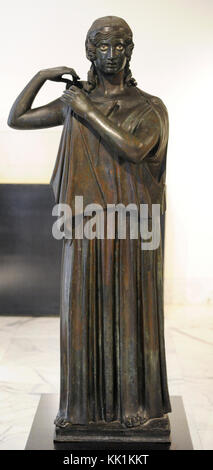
(103, 28)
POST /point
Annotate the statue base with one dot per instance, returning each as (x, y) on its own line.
(153, 431)
(42, 436)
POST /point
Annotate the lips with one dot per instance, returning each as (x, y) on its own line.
(112, 64)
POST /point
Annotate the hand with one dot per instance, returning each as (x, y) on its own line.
(55, 74)
(78, 100)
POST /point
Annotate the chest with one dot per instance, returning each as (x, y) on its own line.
(121, 110)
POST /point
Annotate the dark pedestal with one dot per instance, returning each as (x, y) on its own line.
(42, 431)
(154, 431)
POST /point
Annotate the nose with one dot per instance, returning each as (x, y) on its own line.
(111, 52)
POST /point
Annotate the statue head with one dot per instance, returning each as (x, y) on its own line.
(109, 47)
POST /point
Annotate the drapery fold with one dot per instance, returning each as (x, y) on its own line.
(112, 342)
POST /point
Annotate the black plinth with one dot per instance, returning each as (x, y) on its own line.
(42, 431)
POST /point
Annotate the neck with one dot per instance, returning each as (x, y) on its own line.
(111, 84)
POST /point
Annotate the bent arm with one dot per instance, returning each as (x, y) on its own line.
(23, 117)
(128, 146)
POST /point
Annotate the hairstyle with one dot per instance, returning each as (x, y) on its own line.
(104, 28)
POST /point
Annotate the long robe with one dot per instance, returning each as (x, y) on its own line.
(113, 364)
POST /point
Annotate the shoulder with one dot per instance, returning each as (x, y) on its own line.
(154, 101)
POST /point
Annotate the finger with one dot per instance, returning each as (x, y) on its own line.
(68, 85)
(69, 96)
(77, 90)
(65, 100)
(66, 80)
(62, 98)
(73, 73)
(74, 88)
(68, 70)
(70, 93)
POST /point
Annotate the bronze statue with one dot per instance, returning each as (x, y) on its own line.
(112, 150)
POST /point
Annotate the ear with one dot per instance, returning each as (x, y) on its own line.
(90, 51)
(129, 50)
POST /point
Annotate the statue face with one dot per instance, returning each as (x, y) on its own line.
(110, 55)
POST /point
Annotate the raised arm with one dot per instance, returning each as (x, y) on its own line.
(22, 116)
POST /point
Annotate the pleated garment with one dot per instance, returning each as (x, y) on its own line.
(112, 340)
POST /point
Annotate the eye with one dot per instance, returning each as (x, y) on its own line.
(103, 47)
(119, 47)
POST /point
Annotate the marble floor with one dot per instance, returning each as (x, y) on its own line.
(29, 366)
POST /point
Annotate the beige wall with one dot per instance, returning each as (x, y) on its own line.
(172, 59)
